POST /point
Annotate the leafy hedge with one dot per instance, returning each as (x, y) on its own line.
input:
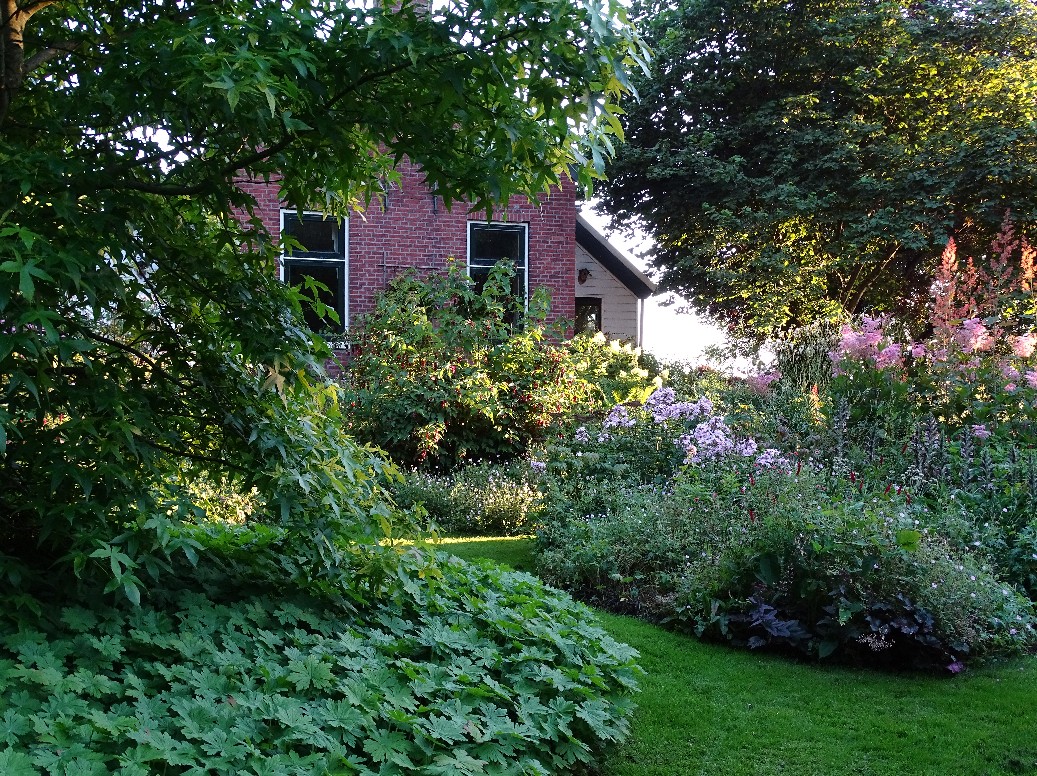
(478, 672)
(445, 374)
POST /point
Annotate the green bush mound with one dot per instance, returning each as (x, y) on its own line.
(674, 512)
(772, 559)
(445, 374)
(478, 499)
(476, 671)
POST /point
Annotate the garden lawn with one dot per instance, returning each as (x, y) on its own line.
(713, 711)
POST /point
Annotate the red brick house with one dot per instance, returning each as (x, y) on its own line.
(356, 257)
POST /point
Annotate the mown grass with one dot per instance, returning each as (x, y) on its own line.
(712, 711)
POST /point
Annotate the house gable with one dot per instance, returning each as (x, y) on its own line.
(608, 279)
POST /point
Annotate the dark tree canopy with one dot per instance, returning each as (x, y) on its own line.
(142, 329)
(806, 159)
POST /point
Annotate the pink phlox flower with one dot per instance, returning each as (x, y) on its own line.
(762, 382)
(1024, 345)
(918, 350)
(852, 343)
(1009, 372)
(1010, 387)
(980, 431)
(891, 355)
(973, 336)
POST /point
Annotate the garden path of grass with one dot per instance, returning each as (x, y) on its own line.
(712, 711)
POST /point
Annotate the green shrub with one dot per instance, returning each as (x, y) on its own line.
(763, 556)
(620, 372)
(442, 375)
(479, 672)
(477, 500)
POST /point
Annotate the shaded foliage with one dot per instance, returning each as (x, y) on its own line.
(800, 161)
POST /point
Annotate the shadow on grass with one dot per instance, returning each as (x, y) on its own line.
(708, 710)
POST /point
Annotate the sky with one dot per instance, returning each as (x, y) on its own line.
(668, 334)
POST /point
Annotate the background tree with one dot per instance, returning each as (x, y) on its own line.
(143, 329)
(805, 160)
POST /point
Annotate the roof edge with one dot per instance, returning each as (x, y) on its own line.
(612, 259)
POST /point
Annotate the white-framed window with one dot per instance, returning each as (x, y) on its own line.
(490, 242)
(324, 257)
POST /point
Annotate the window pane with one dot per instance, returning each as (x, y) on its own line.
(317, 235)
(588, 315)
(328, 273)
(492, 243)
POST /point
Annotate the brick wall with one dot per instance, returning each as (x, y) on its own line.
(412, 228)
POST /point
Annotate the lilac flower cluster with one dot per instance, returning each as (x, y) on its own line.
(664, 406)
(618, 417)
(713, 439)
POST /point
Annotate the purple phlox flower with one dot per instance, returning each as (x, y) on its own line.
(1009, 372)
(660, 397)
(1031, 378)
(604, 436)
(618, 417)
(771, 458)
(956, 667)
(1024, 345)
(711, 439)
(980, 431)
(538, 466)
(581, 435)
(746, 447)
(663, 406)
(918, 350)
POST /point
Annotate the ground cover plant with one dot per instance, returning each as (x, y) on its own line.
(437, 679)
(707, 709)
(194, 556)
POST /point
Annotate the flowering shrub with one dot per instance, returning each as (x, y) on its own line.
(766, 552)
(976, 369)
(441, 375)
(699, 513)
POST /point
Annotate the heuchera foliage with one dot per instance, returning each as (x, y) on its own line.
(142, 325)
